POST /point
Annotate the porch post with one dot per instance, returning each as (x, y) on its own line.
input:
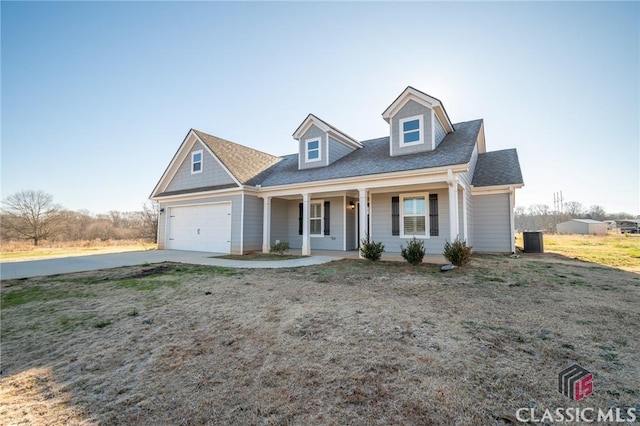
(465, 228)
(266, 225)
(453, 210)
(512, 225)
(362, 220)
(306, 238)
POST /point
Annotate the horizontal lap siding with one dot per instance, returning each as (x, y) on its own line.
(352, 238)
(280, 221)
(212, 173)
(253, 208)
(334, 241)
(491, 233)
(337, 150)
(236, 222)
(381, 223)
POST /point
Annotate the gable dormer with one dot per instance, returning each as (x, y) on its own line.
(417, 123)
(320, 144)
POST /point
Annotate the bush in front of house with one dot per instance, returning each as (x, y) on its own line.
(370, 249)
(280, 247)
(457, 252)
(413, 252)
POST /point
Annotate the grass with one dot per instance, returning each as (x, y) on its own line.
(21, 251)
(349, 342)
(613, 249)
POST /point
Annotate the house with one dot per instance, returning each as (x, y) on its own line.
(582, 226)
(428, 178)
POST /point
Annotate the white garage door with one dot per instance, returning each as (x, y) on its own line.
(200, 228)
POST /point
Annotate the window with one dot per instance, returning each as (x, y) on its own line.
(313, 149)
(196, 162)
(411, 130)
(315, 219)
(433, 215)
(319, 218)
(414, 213)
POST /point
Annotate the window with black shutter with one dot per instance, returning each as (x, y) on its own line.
(433, 215)
(395, 215)
(300, 213)
(327, 218)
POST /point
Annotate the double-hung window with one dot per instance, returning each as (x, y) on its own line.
(414, 215)
(196, 162)
(411, 130)
(313, 149)
(315, 219)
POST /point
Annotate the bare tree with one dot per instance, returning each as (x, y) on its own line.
(574, 209)
(31, 215)
(149, 220)
(597, 213)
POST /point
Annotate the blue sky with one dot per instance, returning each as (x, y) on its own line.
(97, 97)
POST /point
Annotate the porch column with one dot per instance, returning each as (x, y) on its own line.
(512, 224)
(306, 238)
(362, 220)
(454, 230)
(465, 228)
(266, 225)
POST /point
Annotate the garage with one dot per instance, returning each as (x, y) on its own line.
(200, 228)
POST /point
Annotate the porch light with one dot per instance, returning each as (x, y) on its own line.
(352, 205)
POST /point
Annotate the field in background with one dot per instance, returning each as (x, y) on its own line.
(19, 251)
(349, 342)
(614, 249)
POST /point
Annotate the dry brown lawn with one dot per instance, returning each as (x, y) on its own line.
(348, 342)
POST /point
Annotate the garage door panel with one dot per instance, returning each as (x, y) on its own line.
(200, 228)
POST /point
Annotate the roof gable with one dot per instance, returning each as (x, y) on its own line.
(334, 132)
(422, 98)
(497, 168)
(242, 162)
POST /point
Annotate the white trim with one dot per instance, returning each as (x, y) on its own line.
(465, 225)
(512, 227)
(344, 223)
(497, 189)
(306, 149)
(428, 101)
(401, 132)
(433, 130)
(427, 230)
(241, 223)
(199, 195)
(193, 162)
(266, 225)
(306, 240)
(321, 234)
(312, 120)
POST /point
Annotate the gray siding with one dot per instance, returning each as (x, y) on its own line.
(313, 132)
(491, 233)
(212, 173)
(253, 208)
(280, 220)
(411, 109)
(381, 223)
(337, 150)
(440, 133)
(351, 224)
(236, 222)
(334, 241)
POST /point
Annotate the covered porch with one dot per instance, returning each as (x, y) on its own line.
(337, 217)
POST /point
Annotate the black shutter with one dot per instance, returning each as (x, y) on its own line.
(395, 215)
(433, 215)
(300, 207)
(327, 218)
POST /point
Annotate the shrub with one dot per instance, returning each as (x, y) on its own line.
(458, 253)
(370, 249)
(280, 247)
(413, 252)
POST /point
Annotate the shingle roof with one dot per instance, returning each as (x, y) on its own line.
(243, 162)
(373, 158)
(497, 168)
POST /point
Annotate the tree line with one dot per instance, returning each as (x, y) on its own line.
(542, 217)
(32, 215)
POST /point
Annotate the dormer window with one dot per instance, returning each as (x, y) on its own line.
(196, 162)
(411, 131)
(313, 149)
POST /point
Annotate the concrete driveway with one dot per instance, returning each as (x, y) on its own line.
(65, 265)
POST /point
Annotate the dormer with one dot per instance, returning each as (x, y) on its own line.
(320, 144)
(417, 123)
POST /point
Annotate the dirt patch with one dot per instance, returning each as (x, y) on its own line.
(349, 342)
